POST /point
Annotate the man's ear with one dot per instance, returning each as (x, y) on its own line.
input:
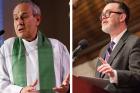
(122, 17)
(38, 19)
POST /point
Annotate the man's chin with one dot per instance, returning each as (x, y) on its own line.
(106, 30)
(20, 36)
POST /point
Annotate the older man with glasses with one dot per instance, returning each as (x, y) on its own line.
(120, 59)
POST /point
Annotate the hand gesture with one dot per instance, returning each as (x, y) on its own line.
(105, 68)
(64, 87)
(30, 88)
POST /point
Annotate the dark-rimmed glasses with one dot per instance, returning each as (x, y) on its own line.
(107, 14)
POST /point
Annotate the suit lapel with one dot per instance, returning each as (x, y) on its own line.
(118, 47)
(115, 52)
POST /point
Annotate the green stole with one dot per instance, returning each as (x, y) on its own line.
(46, 63)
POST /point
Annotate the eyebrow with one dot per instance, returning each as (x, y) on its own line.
(23, 13)
(108, 10)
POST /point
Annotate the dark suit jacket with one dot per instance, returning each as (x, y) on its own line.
(125, 59)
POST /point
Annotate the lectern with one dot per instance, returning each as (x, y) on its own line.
(88, 85)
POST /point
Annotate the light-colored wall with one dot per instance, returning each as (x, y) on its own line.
(86, 69)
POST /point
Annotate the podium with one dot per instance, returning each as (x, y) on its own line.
(89, 85)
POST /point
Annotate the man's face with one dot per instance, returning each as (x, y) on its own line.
(110, 17)
(25, 23)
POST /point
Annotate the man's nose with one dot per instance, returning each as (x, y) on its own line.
(103, 17)
(20, 21)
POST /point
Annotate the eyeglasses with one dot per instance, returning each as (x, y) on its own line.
(107, 14)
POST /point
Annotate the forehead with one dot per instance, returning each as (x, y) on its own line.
(22, 8)
(111, 6)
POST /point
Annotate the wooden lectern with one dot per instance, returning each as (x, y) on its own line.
(88, 85)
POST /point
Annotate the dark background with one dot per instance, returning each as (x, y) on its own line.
(55, 19)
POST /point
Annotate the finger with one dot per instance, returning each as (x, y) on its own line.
(61, 89)
(66, 80)
(109, 71)
(102, 60)
(29, 89)
(104, 68)
(100, 67)
(67, 77)
(32, 91)
(58, 89)
(35, 83)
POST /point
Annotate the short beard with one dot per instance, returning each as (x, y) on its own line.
(106, 30)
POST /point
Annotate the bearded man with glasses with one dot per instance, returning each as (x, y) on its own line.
(120, 59)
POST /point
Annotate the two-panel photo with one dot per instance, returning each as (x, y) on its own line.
(69, 46)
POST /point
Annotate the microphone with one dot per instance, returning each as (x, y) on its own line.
(81, 45)
(2, 32)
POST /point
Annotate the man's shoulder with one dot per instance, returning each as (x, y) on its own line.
(133, 38)
(8, 42)
(7, 45)
(55, 42)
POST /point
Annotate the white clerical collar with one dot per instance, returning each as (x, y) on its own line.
(32, 43)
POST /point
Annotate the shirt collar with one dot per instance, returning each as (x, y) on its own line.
(118, 37)
(32, 43)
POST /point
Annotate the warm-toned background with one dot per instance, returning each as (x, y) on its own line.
(55, 21)
(86, 25)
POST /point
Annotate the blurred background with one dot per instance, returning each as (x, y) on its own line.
(55, 19)
(86, 25)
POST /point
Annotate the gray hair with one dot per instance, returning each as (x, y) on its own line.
(35, 8)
